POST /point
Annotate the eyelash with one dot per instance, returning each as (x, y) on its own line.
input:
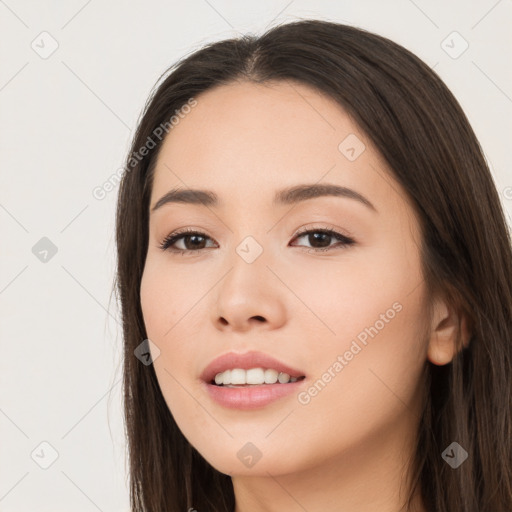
(174, 237)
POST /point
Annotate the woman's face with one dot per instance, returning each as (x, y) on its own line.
(350, 318)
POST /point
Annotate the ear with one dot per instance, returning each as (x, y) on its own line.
(442, 346)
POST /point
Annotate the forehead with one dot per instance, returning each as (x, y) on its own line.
(244, 139)
(267, 120)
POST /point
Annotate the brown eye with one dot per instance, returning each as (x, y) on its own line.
(320, 239)
(193, 240)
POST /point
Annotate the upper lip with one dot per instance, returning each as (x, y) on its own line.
(246, 361)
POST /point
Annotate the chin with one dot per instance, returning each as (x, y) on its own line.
(245, 460)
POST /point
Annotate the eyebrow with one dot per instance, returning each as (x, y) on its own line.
(287, 196)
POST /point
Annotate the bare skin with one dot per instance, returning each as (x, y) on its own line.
(346, 448)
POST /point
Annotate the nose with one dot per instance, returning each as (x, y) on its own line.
(249, 296)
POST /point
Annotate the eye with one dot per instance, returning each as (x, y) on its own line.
(320, 238)
(196, 237)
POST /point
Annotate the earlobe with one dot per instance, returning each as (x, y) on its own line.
(440, 350)
(442, 346)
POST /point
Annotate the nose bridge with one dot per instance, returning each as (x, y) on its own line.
(251, 233)
(249, 289)
(253, 238)
(250, 258)
(252, 247)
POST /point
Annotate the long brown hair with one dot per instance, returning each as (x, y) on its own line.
(423, 134)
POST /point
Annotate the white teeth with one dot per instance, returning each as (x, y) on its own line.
(284, 378)
(226, 378)
(253, 376)
(270, 376)
(238, 376)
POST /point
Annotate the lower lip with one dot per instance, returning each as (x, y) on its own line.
(252, 397)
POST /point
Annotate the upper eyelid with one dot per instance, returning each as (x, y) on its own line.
(300, 231)
(335, 232)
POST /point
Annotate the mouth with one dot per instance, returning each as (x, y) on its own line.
(269, 378)
(252, 395)
(249, 369)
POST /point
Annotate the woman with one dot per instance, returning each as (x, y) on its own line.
(315, 276)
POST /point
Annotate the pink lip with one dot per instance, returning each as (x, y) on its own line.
(251, 397)
(246, 361)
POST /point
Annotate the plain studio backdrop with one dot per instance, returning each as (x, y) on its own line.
(74, 78)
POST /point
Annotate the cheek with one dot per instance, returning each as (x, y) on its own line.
(169, 321)
(369, 311)
(340, 298)
(150, 305)
(370, 370)
(160, 294)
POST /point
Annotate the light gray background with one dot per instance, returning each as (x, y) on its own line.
(66, 124)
